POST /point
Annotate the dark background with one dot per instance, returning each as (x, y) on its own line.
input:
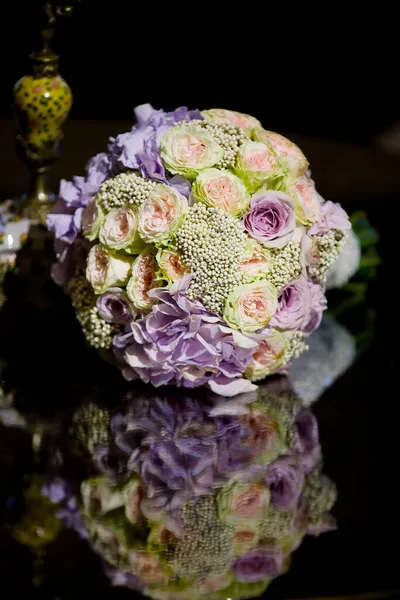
(328, 73)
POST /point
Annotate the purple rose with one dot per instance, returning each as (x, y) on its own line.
(307, 439)
(332, 217)
(294, 305)
(114, 307)
(285, 479)
(258, 565)
(318, 305)
(271, 219)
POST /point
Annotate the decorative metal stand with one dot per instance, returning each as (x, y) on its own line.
(42, 101)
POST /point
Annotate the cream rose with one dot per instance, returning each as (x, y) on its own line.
(161, 214)
(120, 230)
(105, 270)
(147, 566)
(220, 115)
(256, 262)
(145, 276)
(221, 189)
(171, 265)
(250, 307)
(133, 494)
(92, 219)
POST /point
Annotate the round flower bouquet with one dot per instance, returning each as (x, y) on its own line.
(206, 503)
(196, 248)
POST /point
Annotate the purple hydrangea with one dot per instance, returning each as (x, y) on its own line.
(180, 343)
(139, 148)
(179, 454)
(66, 218)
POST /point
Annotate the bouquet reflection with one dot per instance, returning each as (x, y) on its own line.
(208, 501)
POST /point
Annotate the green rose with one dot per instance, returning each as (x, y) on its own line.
(92, 219)
(250, 307)
(243, 504)
(221, 189)
(99, 497)
(187, 150)
(289, 154)
(256, 163)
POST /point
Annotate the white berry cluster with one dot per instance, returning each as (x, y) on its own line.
(296, 347)
(90, 427)
(226, 135)
(80, 291)
(124, 189)
(285, 266)
(328, 247)
(97, 332)
(320, 493)
(211, 243)
(206, 547)
(277, 524)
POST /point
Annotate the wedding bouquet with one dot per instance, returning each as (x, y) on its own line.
(201, 503)
(196, 249)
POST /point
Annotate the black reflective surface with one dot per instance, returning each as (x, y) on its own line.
(48, 374)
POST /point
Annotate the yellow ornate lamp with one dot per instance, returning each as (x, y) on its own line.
(42, 101)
